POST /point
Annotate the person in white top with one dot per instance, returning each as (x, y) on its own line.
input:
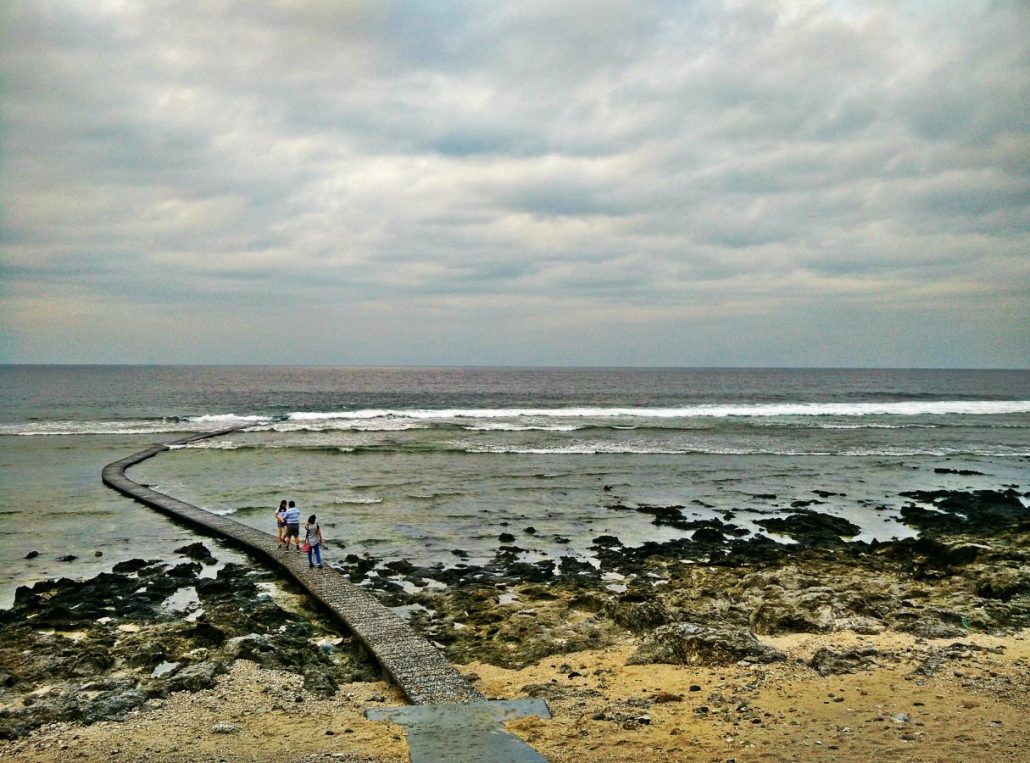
(313, 541)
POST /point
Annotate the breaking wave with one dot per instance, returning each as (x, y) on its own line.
(564, 419)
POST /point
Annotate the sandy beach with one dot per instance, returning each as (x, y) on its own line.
(973, 706)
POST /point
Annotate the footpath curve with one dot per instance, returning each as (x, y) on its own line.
(451, 720)
(409, 660)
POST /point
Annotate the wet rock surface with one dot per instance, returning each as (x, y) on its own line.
(961, 578)
(86, 651)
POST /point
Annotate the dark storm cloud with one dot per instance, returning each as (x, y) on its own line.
(468, 171)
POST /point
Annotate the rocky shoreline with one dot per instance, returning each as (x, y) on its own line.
(968, 571)
(81, 652)
(87, 651)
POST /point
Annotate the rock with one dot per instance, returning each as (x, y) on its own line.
(930, 627)
(530, 530)
(958, 511)
(637, 612)
(67, 558)
(187, 570)
(32, 555)
(225, 728)
(828, 662)
(866, 626)
(812, 528)
(198, 552)
(131, 565)
(506, 538)
(664, 697)
(201, 675)
(685, 643)
(1003, 583)
(707, 535)
(812, 610)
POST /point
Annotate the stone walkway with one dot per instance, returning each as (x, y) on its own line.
(407, 659)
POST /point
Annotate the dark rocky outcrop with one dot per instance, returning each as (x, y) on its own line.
(954, 511)
(124, 645)
(812, 528)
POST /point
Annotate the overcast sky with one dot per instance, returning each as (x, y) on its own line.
(746, 182)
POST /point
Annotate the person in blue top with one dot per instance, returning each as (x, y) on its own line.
(292, 525)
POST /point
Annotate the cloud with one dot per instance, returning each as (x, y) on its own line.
(500, 178)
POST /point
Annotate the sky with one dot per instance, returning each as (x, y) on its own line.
(691, 183)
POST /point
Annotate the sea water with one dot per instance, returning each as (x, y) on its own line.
(423, 463)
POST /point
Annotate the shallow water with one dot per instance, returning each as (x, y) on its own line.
(418, 463)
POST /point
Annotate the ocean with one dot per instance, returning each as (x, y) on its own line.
(417, 463)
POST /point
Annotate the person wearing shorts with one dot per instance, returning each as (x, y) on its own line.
(292, 525)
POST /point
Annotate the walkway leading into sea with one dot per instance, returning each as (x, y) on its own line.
(451, 719)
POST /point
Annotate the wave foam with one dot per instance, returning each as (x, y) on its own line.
(922, 408)
(357, 499)
(229, 419)
(56, 428)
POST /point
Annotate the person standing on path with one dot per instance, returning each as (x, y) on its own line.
(313, 541)
(280, 523)
(292, 525)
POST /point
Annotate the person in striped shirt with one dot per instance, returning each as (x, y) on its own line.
(292, 525)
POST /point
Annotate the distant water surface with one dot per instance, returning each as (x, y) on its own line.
(419, 462)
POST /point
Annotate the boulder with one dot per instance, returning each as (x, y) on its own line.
(1003, 583)
(684, 643)
(812, 528)
(637, 613)
(812, 610)
(828, 662)
(198, 552)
